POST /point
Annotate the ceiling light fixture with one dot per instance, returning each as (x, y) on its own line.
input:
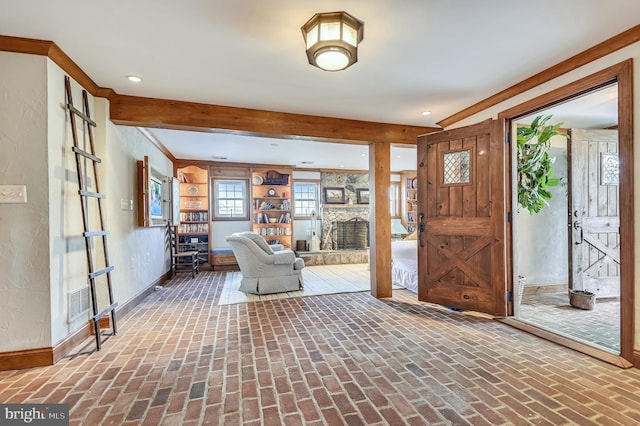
(426, 112)
(134, 78)
(332, 40)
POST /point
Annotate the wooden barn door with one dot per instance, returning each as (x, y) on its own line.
(595, 216)
(461, 249)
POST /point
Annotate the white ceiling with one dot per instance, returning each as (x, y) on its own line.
(416, 55)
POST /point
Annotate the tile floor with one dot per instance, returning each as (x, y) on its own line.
(180, 358)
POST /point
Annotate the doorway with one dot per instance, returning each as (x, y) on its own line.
(572, 244)
(579, 243)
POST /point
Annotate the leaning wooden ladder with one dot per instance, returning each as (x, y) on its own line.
(90, 161)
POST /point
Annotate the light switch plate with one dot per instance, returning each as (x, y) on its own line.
(13, 194)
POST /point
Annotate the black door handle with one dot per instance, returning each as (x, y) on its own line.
(421, 228)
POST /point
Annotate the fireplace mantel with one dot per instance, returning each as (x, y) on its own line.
(345, 206)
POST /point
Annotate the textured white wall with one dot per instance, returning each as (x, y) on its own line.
(540, 260)
(140, 255)
(68, 264)
(25, 321)
(42, 252)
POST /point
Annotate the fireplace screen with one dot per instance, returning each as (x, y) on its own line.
(351, 234)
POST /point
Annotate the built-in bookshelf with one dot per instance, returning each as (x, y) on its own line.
(193, 230)
(411, 202)
(271, 198)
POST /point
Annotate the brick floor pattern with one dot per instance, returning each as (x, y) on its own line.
(180, 359)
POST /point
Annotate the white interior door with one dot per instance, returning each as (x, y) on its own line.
(595, 216)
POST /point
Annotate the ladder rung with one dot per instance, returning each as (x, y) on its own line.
(95, 233)
(105, 312)
(91, 194)
(101, 272)
(81, 114)
(86, 154)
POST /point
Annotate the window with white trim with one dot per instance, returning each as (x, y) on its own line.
(230, 199)
(394, 199)
(305, 199)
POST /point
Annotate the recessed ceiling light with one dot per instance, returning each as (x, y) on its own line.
(219, 158)
(397, 156)
(274, 144)
(134, 78)
(426, 112)
(364, 154)
(306, 162)
(341, 165)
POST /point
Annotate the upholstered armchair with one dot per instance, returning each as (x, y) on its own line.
(263, 270)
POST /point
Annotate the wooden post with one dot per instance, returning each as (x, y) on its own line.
(380, 219)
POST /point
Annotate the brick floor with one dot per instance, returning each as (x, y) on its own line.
(323, 360)
(552, 311)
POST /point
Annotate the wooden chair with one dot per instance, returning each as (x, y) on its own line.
(182, 260)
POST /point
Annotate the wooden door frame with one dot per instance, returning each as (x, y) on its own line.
(622, 74)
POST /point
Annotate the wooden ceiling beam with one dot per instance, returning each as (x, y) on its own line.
(179, 115)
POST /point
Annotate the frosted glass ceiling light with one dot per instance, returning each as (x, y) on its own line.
(332, 40)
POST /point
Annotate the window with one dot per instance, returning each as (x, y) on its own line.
(305, 199)
(394, 199)
(230, 199)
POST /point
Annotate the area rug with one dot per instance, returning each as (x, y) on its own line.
(318, 280)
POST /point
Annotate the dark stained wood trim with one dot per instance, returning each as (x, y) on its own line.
(179, 115)
(380, 220)
(636, 359)
(28, 358)
(50, 49)
(148, 112)
(567, 342)
(155, 142)
(627, 209)
(598, 51)
(129, 305)
(598, 79)
(499, 182)
(41, 357)
(623, 74)
(68, 344)
(25, 45)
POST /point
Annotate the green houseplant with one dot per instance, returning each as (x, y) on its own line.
(535, 172)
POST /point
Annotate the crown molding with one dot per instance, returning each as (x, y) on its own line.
(598, 51)
(180, 115)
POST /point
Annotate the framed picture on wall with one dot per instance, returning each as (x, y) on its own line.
(334, 195)
(363, 195)
(155, 198)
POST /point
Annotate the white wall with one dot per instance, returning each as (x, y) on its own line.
(632, 51)
(542, 238)
(24, 228)
(42, 253)
(220, 229)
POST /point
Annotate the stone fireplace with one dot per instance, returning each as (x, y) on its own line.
(345, 227)
(351, 234)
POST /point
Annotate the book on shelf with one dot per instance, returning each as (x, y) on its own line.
(193, 228)
(199, 216)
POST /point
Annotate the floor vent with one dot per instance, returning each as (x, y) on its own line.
(78, 302)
